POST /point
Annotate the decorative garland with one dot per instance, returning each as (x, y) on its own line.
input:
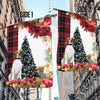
(78, 67)
(87, 23)
(31, 82)
(38, 27)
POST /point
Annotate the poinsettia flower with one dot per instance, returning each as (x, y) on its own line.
(40, 24)
(92, 22)
(47, 21)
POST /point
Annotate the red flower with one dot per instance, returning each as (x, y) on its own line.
(92, 22)
(47, 21)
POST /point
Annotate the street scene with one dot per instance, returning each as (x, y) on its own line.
(35, 39)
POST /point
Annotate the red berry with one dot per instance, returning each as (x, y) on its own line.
(84, 66)
(20, 86)
(49, 48)
(45, 39)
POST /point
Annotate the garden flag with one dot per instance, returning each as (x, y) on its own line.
(76, 42)
(29, 56)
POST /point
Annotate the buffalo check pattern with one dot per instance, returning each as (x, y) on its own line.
(63, 33)
(12, 46)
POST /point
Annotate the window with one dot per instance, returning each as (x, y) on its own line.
(1, 59)
(12, 9)
(0, 10)
(15, 21)
(4, 33)
(6, 17)
(19, 2)
(10, 22)
(6, 9)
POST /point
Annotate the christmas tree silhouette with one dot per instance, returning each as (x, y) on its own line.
(28, 65)
(79, 55)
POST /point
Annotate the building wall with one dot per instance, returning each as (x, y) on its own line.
(76, 76)
(65, 85)
(89, 82)
(9, 15)
(71, 5)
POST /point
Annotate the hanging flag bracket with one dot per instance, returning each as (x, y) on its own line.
(73, 13)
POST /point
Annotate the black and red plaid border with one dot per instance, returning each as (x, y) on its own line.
(63, 33)
(12, 46)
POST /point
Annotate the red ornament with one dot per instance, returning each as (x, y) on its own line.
(34, 86)
(94, 66)
(46, 82)
(20, 86)
(19, 81)
(70, 65)
(25, 83)
(44, 79)
(84, 66)
(66, 66)
(34, 81)
(31, 80)
(13, 81)
(50, 82)
(41, 82)
(73, 70)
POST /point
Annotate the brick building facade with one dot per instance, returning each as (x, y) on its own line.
(9, 15)
(87, 84)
